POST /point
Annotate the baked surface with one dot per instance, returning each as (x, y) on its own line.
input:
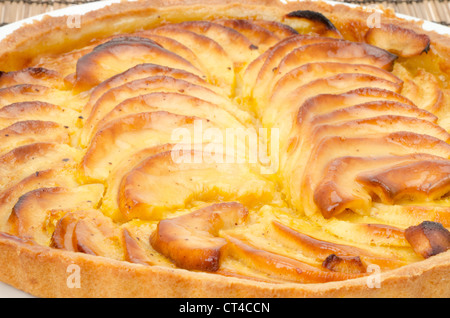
(351, 202)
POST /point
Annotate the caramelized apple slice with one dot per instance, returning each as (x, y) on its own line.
(398, 40)
(25, 160)
(191, 241)
(219, 66)
(279, 266)
(47, 178)
(31, 211)
(341, 187)
(162, 183)
(417, 181)
(308, 21)
(31, 131)
(133, 50)
(31, 75)
(428, 238)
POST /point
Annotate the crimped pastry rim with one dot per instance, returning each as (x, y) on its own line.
(42, 271)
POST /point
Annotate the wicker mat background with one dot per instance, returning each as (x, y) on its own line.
(433, 10)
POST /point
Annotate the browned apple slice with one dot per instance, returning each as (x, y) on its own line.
(219, 66)
(125, 136)
(399, 143)
(258, 35)
(238, 47)
(164, 182)
(307, 21)
(134, 252)
(37, 110)
(32, 75)
(344, 264)
(31, 131)
(154, 84)
(25, 160)
(133, 50)
(428, 238)
(416, 181)
(279, 266)
(192, 240)
(339, 190)
(174, 103)
(32, 210)
(398, 40)
(38, 179)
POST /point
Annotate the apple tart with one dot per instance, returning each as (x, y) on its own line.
(115, 156)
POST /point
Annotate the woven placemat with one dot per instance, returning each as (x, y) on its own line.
(432, 10)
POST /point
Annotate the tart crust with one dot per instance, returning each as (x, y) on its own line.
(43, 271)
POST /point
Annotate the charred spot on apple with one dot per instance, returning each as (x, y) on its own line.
(344, 264)
(313, 16)
(428, 238)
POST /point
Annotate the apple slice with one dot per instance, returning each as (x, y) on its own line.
(36, 110)
(398, 40)
(258, 35)
(32, 210)
(95, 67)
(322, 104)
(238, 47)
(320, 249)
(164, 182)
(372, 109)
(153, 84)
(219, 66)
(378, 125)
(142, 71)
(31, 131)
(342, 188)
(21, 93)
(125, 136)
(279, 29)
(192, 240)
(428, 238)
(422, 181)
(32, 75)
(260, 70)
(279, 266)
(307, 21)
(175, 103)
(46, 178)
(23, 161)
